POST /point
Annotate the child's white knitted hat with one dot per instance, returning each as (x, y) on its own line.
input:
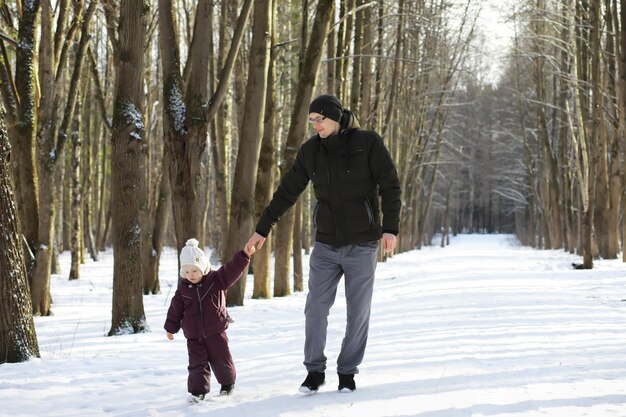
(191, 254)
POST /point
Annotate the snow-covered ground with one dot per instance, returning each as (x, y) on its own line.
(483, 327)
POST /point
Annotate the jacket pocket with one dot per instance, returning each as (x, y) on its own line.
(323, 219)
(370, 212)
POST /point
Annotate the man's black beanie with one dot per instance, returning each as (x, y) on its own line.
(328, 106)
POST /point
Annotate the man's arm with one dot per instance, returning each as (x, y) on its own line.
(386, 176)
(291, 186)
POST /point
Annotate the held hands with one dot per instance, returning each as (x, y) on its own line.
(249, 249)
(389, 242)
(256, 241)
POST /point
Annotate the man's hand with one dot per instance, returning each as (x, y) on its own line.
(256, 240)
(170, 336)
(389, 242)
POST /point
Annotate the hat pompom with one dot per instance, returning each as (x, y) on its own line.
(192, 242)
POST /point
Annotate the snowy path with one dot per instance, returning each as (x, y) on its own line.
(480, 328)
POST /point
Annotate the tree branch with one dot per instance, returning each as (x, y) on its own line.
(227, 70)
(73, 89)
(93, 66)
(5, 37)
(350, 13)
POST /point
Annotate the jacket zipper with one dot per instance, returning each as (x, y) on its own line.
(201, 313)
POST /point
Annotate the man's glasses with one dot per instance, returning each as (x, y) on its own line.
(317, 120)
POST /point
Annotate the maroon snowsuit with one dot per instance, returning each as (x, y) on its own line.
(200, 310)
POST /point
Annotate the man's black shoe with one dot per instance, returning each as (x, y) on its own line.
(313, 381)
(346, 382)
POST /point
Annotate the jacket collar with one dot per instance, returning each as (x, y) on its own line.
(190, 284)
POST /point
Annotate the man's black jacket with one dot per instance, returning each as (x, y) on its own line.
(349, 171)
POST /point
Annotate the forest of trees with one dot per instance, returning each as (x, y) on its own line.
(138, 124)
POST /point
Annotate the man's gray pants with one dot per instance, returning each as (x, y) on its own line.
(357, 263)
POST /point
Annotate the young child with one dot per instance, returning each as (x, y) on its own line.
(199, 308)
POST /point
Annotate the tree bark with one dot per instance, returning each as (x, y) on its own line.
(219, 144)
(50, 147)
(622, 98)
(23, 143)
(151, 279)
(298, 276)
(337, 84)
(18, 340)
(76, 217)
(265, 175)
(91, 136)
(196, 96)
(127, 181)
(366, 68)
(242, 209)
(355, 90)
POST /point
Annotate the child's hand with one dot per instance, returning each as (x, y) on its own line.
(249, 249)
(170, 336)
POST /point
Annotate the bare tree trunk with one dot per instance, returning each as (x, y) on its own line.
(207, 229)
(614, 131)
(616, 184)
(355, 90)
(153, 173)
(622, 99)
(50, 146)
(219, 144)
(127, 181)
(238, 98)
(604, 231)
(151, 279)
(550, 183)
(265, 175)
(378, 82)
(602, 197)
(297, 129)
(91, 147)
(76, 217)
(196, 97)
(342, 46)
(567, 199)
(182, 154)
(187, 119)
(298, 277)
(307, 226)
(18, 340)
(23, 135)
(242, 210)
(344, 93)
(593, 128)
(395, 75)
(425, 213)
(63, 223)
(445, 238)
(101, 231)
(366, 68)
(331, 52)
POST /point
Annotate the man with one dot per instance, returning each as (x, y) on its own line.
(351, 171)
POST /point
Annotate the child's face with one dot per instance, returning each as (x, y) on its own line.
(192, 273)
